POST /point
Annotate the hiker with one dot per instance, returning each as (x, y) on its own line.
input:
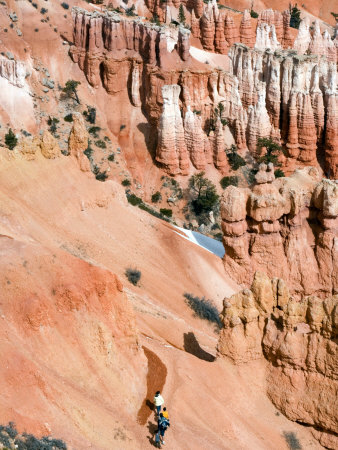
(157, 439)
(163, 424)
(158, 402)
(165, 413)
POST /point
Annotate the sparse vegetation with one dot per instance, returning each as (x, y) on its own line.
(157, 197)
(295, 16)
(253, 13)
(204, 193)
(181, 15)
(100, 143)
(335, 15)
(10, 139)
(70, 89)
(133, 276)
(292, 440)
(111, 157)
(90, 114)
(122, 127)
(134, 199)
(217, 112)
(279, 173)
(100, 176)
(155, 20)
(65, 5)
(166, 212)
(131, 11)
(9, 437)
(52, 123)
(203, 309)
(229, 181)
(126, 182)
(272, 151)
(94, 131)
(43, 10)
(235, 160)
(68, 118)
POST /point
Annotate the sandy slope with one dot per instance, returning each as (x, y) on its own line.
(212, 403)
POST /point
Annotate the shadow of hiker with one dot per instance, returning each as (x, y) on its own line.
(150, 405)
(152, 428)
(192, 346)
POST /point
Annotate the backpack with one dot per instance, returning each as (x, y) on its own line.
(164, 423)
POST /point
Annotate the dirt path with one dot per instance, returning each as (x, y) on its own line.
(157, 374)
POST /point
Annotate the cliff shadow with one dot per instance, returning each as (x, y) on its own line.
(192, 346)
(156, 377)
(150, 138)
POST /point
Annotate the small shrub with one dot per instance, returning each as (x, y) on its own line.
(52, 122)
(65, 5)
(94, 131)
(279, 173)
(215, 226)
(122, 127)
(35, 5)
(106, 138)
(134, 199)
(100, 176)
(166, 212)
(131, 11)
(36, 30)
(43, 10)
(153, 212)
(181, 15)
(295, 16)
(111, 157)
(100, 143)
(10, 139)
(89, 151)
(27, 441)
(133, 276)
(68, 118)
(235, 160)
(229, 181)
(203, 309)
(253, 14)
(157, 197)
(155, 20)
(126, 182)
(292, 440)
(90, 114)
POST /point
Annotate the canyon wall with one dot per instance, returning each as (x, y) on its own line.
(12, 70)
(286, 227)
(298, 340)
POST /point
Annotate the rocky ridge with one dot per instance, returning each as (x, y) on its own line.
(280, 224)
(297, 338)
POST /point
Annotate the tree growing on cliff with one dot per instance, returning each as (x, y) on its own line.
(273, 150)
(10, 139)
(295, 16)
(181, 15)
(235, 160)
(70, 89)
(203, 192)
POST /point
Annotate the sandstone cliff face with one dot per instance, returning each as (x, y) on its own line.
(297, 338)
(278, 226)
(14, 71)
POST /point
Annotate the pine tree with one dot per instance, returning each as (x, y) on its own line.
(181, 15)
(10, 139)
(70, 89)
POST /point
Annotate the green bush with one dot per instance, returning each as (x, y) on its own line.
(26, 441)
(10, 139)
(272, 151)
(134, 199)
(295, 16)
(204, 194)
(52, 123)
(131, 11)
(166, 212)
(229, 181)
(204, 309)
(111, 157)
(94, 131)
(100, 176)
(68, 118)
(253, 14)
(235, 160)
(100, 143)
(90, 114)
(157, 197)
(70, 88)
(279, 173)
(133, 275)
(126, 182)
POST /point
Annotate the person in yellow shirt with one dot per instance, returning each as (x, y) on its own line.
(165, 413)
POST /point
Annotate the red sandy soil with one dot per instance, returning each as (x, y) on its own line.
(49, 207)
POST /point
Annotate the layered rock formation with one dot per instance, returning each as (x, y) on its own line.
(29, 147)
(267, 93)
(279, 225)
(12, 70)
(298, 339)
